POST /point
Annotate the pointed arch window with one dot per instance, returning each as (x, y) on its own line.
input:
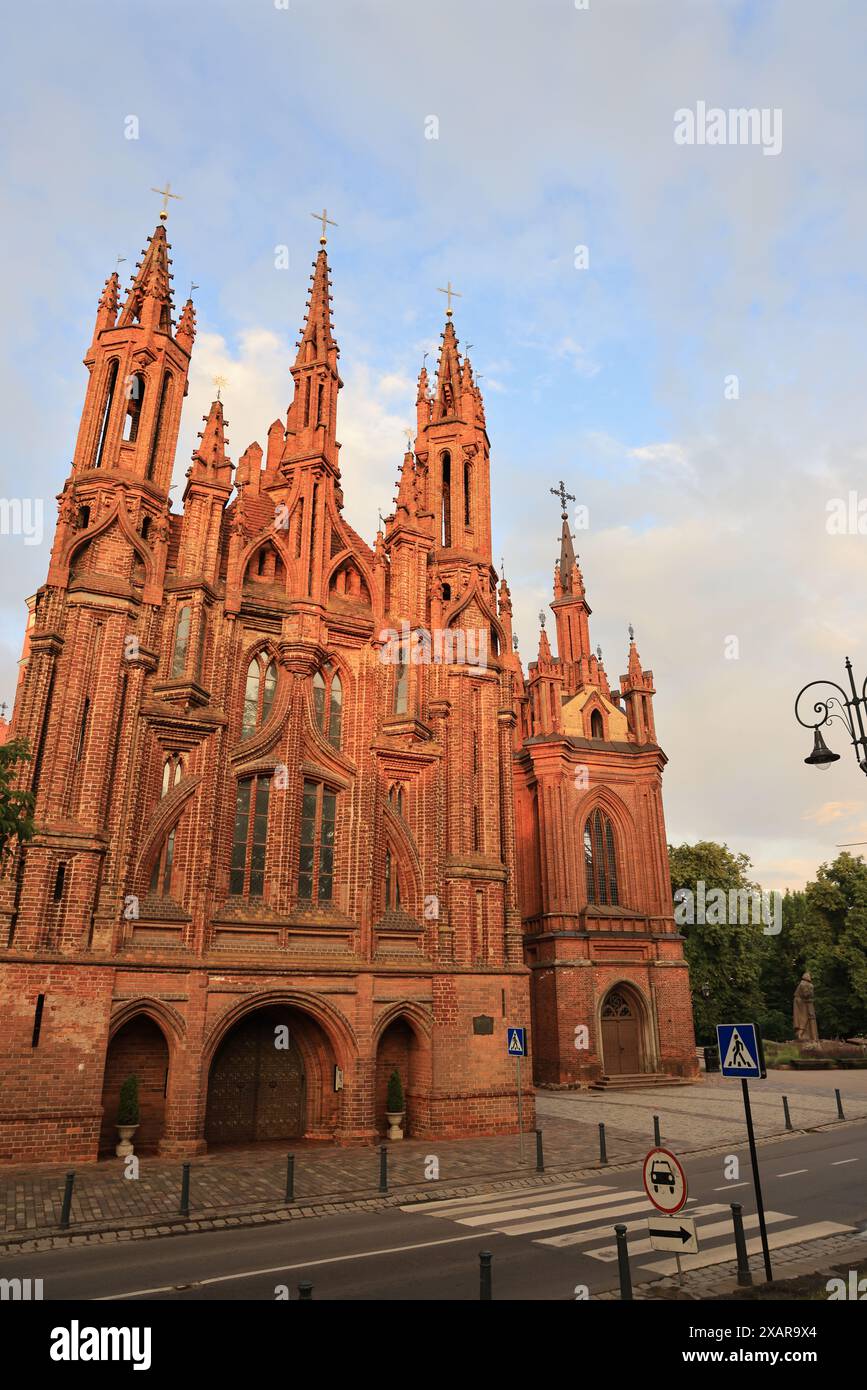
(316, 853)
(134, 403)
(597, 726)
(397, 797)
(468, 478)
(247, 872)
(173, 771)
(259, 693)
(328, 704)
(106, 413)
(182, 641)
(159, 426)
(446, 522)
(600, 860)
(161, 875)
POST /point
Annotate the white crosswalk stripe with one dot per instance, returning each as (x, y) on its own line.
(585, 1214)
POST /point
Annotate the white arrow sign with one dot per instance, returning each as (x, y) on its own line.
(673, 1233)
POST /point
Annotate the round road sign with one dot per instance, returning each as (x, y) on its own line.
(664, 1180)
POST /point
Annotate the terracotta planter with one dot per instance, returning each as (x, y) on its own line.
(125, 1133)
(395, 1120)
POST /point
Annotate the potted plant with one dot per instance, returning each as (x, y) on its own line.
(127, 1116)
(395, 1106)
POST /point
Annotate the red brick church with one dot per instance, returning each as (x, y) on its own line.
(292, 786)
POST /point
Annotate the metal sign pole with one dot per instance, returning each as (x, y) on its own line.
(520, 1108)
(754, 1160)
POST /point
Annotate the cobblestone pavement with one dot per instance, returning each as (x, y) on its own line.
(249, 1181)
(239, 1179)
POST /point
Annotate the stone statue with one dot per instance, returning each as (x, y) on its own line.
(806, 1028)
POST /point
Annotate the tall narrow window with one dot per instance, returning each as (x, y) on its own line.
(82, 729)
(597, 728)
(59, 882)
(392, 881)
(182, 641)
(158, 427)
(247, 873)
(467, 483)
(258, 693)
(109, 400)
(161, 874)
(316, 854)
(600, 860)
(446, 462)
(401, 683)
(328, 704)
(134, 403)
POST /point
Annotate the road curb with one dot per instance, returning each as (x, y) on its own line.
(94, 1233)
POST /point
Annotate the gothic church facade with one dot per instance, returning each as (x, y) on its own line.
(289, 785)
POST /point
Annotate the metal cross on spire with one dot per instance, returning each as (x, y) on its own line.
(564, 497)
(165, 194)
(541, 617)
(220, 382)
(326, 222)
(451, 294)
(631, 633)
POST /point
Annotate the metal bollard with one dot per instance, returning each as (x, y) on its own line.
(744, 1276)
(305, 1291)
(657, 1138)
(67, 1202)
(540, 1157)
(485, 1259)
(383, 1169)
(603, 1152)
(786, 1116)
(185, 1190)
(623, 1263)
(290, 1178)
(838, 1098)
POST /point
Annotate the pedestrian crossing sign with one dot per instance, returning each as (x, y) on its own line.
(740, 1050)
(517, 1042)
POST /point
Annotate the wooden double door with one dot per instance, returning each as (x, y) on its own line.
(621, 1041)
(257, 1089)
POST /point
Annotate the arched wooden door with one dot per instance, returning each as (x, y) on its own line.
(257, 1083)
(621, 1047)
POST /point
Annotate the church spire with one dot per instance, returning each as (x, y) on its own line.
(149, 301)
(210, 457)
(311, 421)
(448, 388)
(317, 343)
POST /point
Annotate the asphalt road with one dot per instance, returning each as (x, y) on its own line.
(544, 1242)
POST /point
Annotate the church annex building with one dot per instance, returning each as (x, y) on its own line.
(287, 781)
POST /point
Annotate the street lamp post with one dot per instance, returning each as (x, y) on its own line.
(850, 709)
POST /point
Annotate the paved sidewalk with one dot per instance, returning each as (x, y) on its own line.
(711, 1112)
(255, 1179)
(244, 1185)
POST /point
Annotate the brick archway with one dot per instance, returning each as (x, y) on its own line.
(271, 1077)
(137, 1048)
(403, 1047)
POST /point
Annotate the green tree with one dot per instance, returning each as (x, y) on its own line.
(831, 943)
(724, 958)
(16, 806)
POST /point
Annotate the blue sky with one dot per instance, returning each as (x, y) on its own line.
(707, 515)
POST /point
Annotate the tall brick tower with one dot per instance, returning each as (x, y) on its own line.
(610, 993)
(273, 773)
